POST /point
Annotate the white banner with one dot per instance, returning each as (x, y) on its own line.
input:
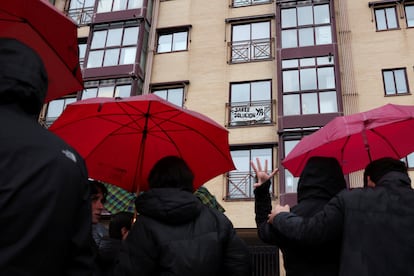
(247, 113)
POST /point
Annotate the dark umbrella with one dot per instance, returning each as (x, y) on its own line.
(122, 139)
(357, 139)
(52, 35)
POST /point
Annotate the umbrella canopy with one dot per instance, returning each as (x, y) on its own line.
(45, 29)
(357, 139)
(122, 139)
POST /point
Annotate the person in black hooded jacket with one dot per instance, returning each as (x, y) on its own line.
(45, 213)
(320, 180)
(176, 234)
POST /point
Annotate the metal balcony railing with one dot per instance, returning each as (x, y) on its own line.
(82, 16)
(242, 3)
(240, 185)
(250, 50)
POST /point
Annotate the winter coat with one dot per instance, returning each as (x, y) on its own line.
(376, 225)
(175, 234)
(45, 212)
(320, 180)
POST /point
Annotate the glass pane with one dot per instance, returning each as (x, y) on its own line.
(289, 63)
(119, 5)
(176, 96)
(323, 35)
(261, 91)
(161, 94)
(328, 102)
(410, 160)
(130, 36)
(306, 37)
(240, 92)
(164, 43)
(260, 30)
(241, 160)
(400, 81)
(89, 93)
(289, 39)
(128, 55)
(291, 105)
(241, 32)
(98, 39)
(325, 60)
(55, 108)
(123, 91)
(88, 3)
(95, 59)
(380, 19)
(111, 57)
(104, 6)
(290, 81)
(106, 91)
(321, 14)
(82, 50)
(307, 62)
(409, 14)
(391, 18)
(389, 82)
(309, 103)
(289, 18)
(326, 78)
(308, 79)
(305, 15)
(180, 41)
(134, 4)
(114, 37)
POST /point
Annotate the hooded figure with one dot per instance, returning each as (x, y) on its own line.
(321, 179)
(176, 234)
(45, 210)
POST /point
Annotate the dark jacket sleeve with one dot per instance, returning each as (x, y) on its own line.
(325, 226)
(263, 206)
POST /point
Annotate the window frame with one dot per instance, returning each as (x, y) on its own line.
(395, 80)
(106, 83)
(384, 8)
(163, 32)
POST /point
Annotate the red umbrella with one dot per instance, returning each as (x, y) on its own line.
(121, 139)
(52, 35)
(357, 139)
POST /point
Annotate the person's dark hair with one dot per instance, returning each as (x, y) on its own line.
(118, 221)
(378, 168)
(171, 172)
(97, 187)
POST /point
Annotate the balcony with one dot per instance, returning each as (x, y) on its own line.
(82, 16)
(250, 50)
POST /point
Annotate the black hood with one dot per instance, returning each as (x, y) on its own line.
(322, 177)
(23, 77)
(169, 205)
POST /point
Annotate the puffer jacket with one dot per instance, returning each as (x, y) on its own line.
(376, 225)
(321, 179)
(175, 234)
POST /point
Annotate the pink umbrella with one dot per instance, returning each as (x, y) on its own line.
(357, 139)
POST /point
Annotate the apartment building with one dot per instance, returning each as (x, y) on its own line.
(270, 71)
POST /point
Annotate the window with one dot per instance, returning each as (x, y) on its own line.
(250, 42)
(56, 107)
(242, 3)
(409, 15)
(173, 95)
(172, 40)
(118, 5)
(291, 182)
(107, 88)
(113, 46)
(309, 86)
(250, 103)
(386, 18)
(241, 180)
(409, 160)
(306, 26)
(81, 11)
(82, 51)
(395, 81)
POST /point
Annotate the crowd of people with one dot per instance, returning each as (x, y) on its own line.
(51, 209)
